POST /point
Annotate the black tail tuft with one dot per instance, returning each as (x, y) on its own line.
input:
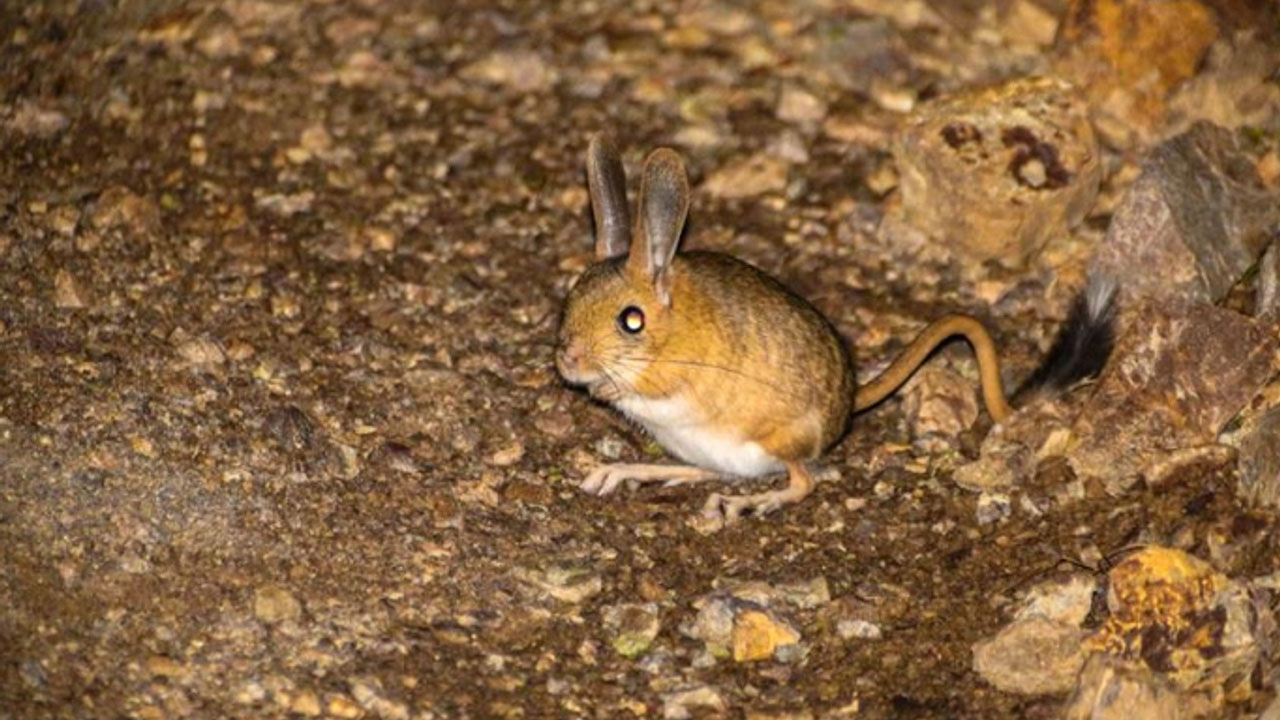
(1083, 344)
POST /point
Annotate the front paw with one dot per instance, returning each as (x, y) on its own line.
(603, 480)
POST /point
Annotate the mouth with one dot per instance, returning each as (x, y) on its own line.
(596, 386)
(604, 390)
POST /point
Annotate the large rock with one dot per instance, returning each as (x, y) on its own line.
(1234, 88)
(1108, 690)
(1179, 640)
(1129, 55)
(1256, 438)
(997, 172)
(1173, 614)
(1179, 372)
(1035, 656)
(1193, 223)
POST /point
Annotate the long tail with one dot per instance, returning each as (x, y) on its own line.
(919, 350)
(1079, 352)
(1083, 344)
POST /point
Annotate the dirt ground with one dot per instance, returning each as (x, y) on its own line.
(279, 430)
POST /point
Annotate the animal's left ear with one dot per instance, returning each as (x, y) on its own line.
(664, 205)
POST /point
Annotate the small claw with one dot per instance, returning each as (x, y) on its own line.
(592, 484)
(713, 507)
(611, 483)
(731, 508)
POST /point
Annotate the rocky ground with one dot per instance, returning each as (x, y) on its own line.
(280, 433)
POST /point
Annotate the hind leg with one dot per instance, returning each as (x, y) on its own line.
(731, 507)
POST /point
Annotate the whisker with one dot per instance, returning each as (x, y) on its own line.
(702, 364)
(616, 382)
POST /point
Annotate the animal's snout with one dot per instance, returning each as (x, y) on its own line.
(569, 360)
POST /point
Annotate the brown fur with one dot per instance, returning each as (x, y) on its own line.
(758, 360)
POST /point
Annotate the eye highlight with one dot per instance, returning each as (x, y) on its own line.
(631, 320)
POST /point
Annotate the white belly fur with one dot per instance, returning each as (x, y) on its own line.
(682, 433)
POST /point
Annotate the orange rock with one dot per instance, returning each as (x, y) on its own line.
(995, 173)
(1129, 54)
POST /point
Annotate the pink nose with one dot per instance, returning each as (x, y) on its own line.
(568, 358)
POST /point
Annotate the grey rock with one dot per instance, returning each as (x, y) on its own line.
(1267, 305)
(1109, 692)
(632, 627)
(1196, 219)
(1035, 656)
(1065, 600)
(858, 629)
(565, 583)
(681, 704)
(993, 507)
(1179, 373)
(1257, 441)
(713, 625)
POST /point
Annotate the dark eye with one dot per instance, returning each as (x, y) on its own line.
(631, 320)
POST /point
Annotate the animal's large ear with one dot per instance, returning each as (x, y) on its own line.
(608, 184)
(664, 204)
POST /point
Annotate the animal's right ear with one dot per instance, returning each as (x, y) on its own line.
(608, 184)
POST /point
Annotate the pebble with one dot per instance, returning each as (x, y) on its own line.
(699, 137)
(251, 692)
(680, 705)
(381, 239)
(286, 205)
(35, 121)
(806, 595)
(67, 292)
(508, 455)
(1065, 600)
(796, 105)
(992, 507)
(858, 629)
(201, 351)
(520, 70)
(633, 626)
(342, 706)
(565, 583)
(713, 625)
(306, 703)
(1027, 23)
(555, 423)
(939, 404)
(757, 635)
(120, 208)
(143, 446)
(367, 693)
(609, 447)
(64, 220)
(164, 666)
(274, 604)
(749, 177)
